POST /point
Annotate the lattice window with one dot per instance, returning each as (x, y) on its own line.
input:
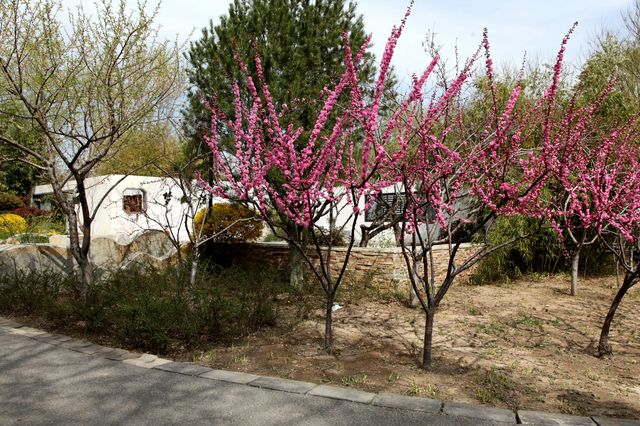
(133, 201)
(380, 208)
(388, 205)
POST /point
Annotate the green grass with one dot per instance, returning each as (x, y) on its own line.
(428, 390)
(493, 387)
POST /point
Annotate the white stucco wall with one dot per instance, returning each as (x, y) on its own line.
(111, 220)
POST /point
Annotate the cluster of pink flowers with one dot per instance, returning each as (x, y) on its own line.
(423, 146)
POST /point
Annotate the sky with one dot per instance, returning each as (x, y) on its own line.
(515, 27)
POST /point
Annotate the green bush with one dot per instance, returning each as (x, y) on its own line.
(152, 309)
(539, 253)
(41, 293)
(9, 201)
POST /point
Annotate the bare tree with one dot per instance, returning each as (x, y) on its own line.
(85, 85)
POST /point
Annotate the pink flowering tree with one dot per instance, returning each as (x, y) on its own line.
(602, 183)
(346, 157)
(458, 180)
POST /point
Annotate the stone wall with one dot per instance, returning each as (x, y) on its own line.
(151, 248)
(380, 265)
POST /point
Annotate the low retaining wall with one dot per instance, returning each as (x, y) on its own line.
(378, 265)
(151, 248)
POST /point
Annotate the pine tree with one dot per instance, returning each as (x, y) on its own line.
(299, 43)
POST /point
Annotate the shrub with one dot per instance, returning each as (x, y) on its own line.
(538, 253)
(151, 309)
(11, 224)
(38, 292)
(9, 201)
(28, 212)
(229, 223)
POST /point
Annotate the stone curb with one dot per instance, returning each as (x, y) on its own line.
(283, 385)
(493, 414)
(527, 417)
(346, 394)
(391, 400)
(186, 368)
(611, 421)
(230, 376)
(147, 361)
(386, 400)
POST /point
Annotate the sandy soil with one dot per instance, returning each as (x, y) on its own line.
(522, 345)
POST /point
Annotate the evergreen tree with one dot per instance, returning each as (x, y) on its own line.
(299, 43)
(301, 49)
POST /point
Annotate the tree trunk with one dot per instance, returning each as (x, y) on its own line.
(85, 272)
(193, 273)
(428, 338)
(328, 325)
(604, 348)
(413, 297)
(364, 238)
(574, 272)
(296, 268)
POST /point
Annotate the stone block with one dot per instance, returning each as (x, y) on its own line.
(146, 361)
(346, 394)
(74, 344)
(186, 368)
(52, 339)
(611, 421)
(28, 332)
(114, 354)
(230, 376)
(492, 414)
(540, 418)
(91, 349)
(285, 385)
(8, 323)
(390, 400)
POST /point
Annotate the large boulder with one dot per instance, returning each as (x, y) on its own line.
(35, 257)
(151, 249)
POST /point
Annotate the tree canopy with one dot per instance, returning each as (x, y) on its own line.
(85, 86)
(299, 43)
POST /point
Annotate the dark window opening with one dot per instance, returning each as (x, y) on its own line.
(389, 205)
(133, 202)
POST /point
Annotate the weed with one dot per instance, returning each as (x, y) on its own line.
(555, 322)
(529, 322)
(494, 328)
(393, 377)
(359, 379)
(241, 359)
(494, 386)
(428, 390)
(474, 311)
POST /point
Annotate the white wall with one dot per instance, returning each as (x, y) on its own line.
(113, 221)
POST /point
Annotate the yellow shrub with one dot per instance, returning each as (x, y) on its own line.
(228, 223)
(11, 224)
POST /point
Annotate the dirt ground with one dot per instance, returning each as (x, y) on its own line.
(522, 345)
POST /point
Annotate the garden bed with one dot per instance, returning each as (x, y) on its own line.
(523, 345)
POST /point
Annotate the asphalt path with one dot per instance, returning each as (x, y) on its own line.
(43, 384)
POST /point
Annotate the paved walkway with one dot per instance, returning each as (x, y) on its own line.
(51, 379)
